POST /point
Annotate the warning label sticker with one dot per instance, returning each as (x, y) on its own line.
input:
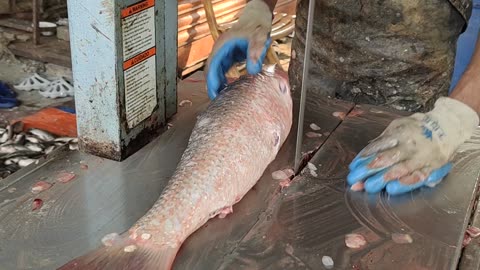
(139, 65)
(138, 26)
(140, 90)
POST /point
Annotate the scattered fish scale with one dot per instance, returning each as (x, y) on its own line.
(313, 134)
(65, 177)
(314, 127)
(327, 261)
(19, 148)
(110, 238)
(41, 186)
(401, 238)
(355, 240)
(185, 102)
(474, 232)
(466, 240)
(279, 175)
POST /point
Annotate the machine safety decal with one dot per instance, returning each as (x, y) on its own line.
(139, 61)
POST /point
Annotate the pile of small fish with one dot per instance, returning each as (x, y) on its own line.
(19, 149)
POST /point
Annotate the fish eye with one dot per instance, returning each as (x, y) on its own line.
(283, 87)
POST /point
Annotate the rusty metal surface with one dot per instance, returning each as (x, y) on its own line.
(310, 219)
(35, 22)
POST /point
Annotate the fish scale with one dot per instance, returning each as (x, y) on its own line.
(231, 145)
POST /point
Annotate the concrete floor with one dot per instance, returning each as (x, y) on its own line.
(14, 71)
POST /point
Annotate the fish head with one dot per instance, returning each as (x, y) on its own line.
(277, 80)
(275, 70)
(276, 85)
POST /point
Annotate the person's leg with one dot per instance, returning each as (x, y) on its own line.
(394, 53)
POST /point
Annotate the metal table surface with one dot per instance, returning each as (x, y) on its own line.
(271, 228)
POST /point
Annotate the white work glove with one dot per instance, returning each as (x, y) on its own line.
(414, 151)
(248, 39)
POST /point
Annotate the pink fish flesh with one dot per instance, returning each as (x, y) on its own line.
(231, 145)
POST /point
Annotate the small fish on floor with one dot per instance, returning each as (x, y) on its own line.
(20, 148)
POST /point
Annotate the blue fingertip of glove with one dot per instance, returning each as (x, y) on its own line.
(435, 177)
(438, 175)
(375, 183)
(361, 170)
(397, 188)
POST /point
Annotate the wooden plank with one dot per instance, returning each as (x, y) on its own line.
(50, 50)
(18, 24)
(310, 219)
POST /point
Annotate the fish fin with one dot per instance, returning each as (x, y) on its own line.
(224, 212)
(270, 69)
(142, 256)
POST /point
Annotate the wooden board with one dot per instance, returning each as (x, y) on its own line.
(50, 50)
(17, 24)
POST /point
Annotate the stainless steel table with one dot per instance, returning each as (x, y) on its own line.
(271, 228)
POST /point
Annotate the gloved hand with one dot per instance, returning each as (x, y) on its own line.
(414, 151)
(248, 39)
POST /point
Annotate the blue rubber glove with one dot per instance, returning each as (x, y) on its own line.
(232, 51)
(375, 182)
(414, 151)
(248, 39)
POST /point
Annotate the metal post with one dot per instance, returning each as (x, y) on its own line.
(124, 61)
(12, 6)
(36, 30)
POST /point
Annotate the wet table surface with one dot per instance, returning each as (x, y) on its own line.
(271, 228)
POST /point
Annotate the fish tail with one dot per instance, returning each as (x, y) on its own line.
(123, 255)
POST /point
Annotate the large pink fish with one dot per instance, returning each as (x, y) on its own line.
(231, 145)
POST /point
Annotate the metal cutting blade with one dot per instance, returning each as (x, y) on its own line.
(303, 93)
